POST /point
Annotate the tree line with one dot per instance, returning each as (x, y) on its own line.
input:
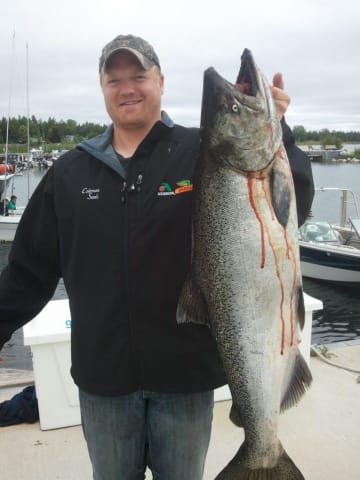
(325, 136)
(47, 131)
(69, 131)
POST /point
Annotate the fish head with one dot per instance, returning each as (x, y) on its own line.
(240, 129)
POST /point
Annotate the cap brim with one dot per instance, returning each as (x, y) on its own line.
(145, 63)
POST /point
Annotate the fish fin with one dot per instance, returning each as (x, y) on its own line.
(300, 307)
(238, 468)
(192, 306)
(300, 379)
(280, 194)
(235, 416)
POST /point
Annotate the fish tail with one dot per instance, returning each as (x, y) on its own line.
(285, 469)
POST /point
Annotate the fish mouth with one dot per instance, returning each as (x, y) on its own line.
(247, 79)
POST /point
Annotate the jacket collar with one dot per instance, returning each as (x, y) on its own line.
(101, 147)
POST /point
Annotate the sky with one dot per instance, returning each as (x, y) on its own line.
(56, 46)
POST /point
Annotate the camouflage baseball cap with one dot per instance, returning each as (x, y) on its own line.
(142, 50)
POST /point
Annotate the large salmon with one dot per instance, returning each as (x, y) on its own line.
(245, 278)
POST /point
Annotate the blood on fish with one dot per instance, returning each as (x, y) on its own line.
(251, 187)
(282, 295)
(250, 181)
(268, 199)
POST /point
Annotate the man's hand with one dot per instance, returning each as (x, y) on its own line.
(281, 98)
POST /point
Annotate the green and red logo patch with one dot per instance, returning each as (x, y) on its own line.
(182, 186)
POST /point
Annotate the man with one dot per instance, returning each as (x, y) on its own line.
(11, 206)
(146, 384)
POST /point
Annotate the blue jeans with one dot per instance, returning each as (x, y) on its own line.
(169, 433)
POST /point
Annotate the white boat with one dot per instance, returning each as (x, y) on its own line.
(330, 251)
(8, 226)
(8, 223)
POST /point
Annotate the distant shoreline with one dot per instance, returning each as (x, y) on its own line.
(330, 154)
(339, 160)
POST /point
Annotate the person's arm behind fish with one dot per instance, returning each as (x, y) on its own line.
(299, 162)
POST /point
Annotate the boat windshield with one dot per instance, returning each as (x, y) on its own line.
(355, 223)
(313, 231)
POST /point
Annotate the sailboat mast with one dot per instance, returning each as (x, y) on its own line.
(28, 116)
(9, 105)
(4, 183)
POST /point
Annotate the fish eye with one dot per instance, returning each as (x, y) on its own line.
(235, 108)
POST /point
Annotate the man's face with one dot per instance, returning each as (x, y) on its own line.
(132, 95)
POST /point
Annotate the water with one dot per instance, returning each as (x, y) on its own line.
(340, 318)
(326, 205)
(338, 321)
(23, 185)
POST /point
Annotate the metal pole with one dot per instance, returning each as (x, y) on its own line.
(8, 115)
(28, 118)
(344, 208)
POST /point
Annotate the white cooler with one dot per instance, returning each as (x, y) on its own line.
(48, 335)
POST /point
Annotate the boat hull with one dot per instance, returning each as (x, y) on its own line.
(8, 226)
(336, 264)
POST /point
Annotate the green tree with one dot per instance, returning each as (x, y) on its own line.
(3, 124)
(299, 133)
(330, 139)
(34, 128)
(70, 127)
(54, 135)
(22, 134)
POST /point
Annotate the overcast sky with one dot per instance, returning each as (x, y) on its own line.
(315, 43)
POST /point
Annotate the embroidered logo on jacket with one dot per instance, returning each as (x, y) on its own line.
(182, 187)
(91, 193)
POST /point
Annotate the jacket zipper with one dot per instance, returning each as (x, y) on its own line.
(127, 190)
(133, 188)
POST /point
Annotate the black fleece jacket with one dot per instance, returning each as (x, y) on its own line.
(122, 243)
